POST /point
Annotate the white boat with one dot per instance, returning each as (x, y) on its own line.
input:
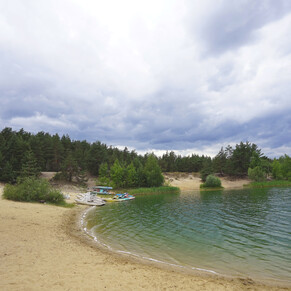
(89, 199)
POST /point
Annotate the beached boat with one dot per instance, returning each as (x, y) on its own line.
(120, 198)
(89, 199)
(103, 190)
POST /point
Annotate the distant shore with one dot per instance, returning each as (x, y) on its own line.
(192, 181)
(43, 248)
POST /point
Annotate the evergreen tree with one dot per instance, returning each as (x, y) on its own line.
(153, 173)
(219, 162)
(104, 174)
(207, 169)
(7, 174)
(131, 176)
(117, 174)
(70, 168)
(30, 167)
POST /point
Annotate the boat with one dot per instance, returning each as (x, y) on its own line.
(90, 199)
(103, 190)
(119, 198)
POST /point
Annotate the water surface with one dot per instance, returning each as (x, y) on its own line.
(240, 232)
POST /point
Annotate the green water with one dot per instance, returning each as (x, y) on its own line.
(242, 232)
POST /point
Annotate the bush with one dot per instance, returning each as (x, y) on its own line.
(212, 181)
(257, 174)
(32, 189)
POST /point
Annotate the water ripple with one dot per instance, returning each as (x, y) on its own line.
(244, 232)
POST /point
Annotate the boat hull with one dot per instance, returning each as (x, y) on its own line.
(118, 199)
(90, 203)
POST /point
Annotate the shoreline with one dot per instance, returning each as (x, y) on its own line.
(43, 247)
(192, 271)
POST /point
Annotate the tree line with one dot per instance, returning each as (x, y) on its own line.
(26, 154)
(245, 159)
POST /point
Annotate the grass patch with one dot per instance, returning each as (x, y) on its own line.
(34, 190)
(154, 190)
(273, 183)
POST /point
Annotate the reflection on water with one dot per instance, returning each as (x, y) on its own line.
(241, 232)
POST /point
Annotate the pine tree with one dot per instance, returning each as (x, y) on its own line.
(69, 168)
(131, 176)
(7, 174)
(153, 172)
(29, 167)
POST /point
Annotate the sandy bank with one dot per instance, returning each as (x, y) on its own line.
(43, 248)
(192, 181)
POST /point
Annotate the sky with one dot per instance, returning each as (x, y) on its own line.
(155, 75)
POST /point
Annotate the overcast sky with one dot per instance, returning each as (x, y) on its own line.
(189, 76)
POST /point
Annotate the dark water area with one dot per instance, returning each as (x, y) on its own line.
(236, 232)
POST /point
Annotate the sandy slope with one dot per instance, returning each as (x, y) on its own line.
(192, 181)
(43, 248)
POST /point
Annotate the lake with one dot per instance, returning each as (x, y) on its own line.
(235, 232)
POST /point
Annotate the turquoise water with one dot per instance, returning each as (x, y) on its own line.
(243, 232)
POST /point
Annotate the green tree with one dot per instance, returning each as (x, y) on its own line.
(153, 173)
(140, 175)
(207, 169)
(7, 174)
(117, 174)
(257, 174)
(131, 177)
(69, 168)
(286, 167)
(104, 174)
(219, 162)
(277, 172)
(96, 156)
(241, 157)
(103, 170)
(30, 167)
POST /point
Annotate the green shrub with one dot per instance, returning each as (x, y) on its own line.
(212, 181)
(257, 174)
(33, 189)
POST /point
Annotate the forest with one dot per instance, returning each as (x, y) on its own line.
(27, 154)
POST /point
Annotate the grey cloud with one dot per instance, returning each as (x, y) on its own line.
(231, 24)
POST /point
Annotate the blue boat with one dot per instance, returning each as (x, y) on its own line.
(120, 197)
(103, 190)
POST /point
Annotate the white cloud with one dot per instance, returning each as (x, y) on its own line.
(42, 121)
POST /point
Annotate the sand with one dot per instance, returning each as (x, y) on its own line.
(192, 181)
(42, 247)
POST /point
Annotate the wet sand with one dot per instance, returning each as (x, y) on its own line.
(42, 247)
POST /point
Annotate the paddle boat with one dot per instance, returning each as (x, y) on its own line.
(120, 198)
(103, 190)
(90, 199)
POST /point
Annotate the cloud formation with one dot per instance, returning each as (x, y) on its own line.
(161, 75)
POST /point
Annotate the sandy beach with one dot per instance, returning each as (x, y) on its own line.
(42, 247)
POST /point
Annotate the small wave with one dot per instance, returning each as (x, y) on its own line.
(94, 237)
